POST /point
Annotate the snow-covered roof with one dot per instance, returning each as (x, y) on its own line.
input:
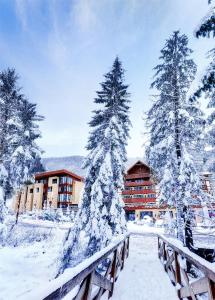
(138, 162)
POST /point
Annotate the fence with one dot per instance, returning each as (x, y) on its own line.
(97, 277)
(192, 275)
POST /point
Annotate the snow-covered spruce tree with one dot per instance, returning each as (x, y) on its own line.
(175, 127)
(101, 215)
(9, 100)
(18, 132)
(27, 152)
(3, 175)
(207, 86)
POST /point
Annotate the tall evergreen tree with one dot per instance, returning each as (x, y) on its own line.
(9, 125)
(18, 134)
(207, 86)
(101, 215)
(27, 150)
(175, 127)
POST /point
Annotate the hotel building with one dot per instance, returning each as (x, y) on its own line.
(140, 193)
(60, 188)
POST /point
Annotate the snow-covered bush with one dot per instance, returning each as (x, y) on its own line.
(50, 214)
(23, 235)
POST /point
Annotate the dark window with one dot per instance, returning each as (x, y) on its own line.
(37, 190)
(31, 191)
(50, 189)
(54, 180)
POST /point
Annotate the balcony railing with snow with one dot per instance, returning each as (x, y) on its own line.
(91, 278)
(192, 275)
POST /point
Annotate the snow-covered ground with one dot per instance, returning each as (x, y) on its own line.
(143, 277)
(144, 229)
(29, 266)
(33, 262)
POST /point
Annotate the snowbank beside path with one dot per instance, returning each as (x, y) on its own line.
(144, 229)
(27, 267)
(143, 277)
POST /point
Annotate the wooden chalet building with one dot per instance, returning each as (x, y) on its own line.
(139, 194)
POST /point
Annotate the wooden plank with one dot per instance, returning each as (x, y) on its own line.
(102, 282)
(177, 272)
(101, 290)
(123, 255)
(88, 288)
(187, 285)
(81, 291)
(211, 290)
(199, 286)
(113, 273)
(61, 291)
(208, 272)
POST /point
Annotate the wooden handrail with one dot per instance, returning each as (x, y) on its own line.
(170, 254)
(89, 275)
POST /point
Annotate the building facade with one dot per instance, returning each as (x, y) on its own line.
(140, 194)
(60, 188)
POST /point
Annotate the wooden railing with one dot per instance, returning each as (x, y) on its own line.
(191, 275)
(94, 279)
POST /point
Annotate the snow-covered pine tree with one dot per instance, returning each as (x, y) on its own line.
(9, 101)
(3, 175)
(27, 151)
(101, 215)
(207, 26)
(207, 86)
(175, 127)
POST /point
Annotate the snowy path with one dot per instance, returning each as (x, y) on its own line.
(143, 277)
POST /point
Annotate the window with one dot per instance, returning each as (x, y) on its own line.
(127, 196)
(69, 188)
(54, 180)
(63, 179)
(37, 190)
(69, 180)
(31, 191)
(61, 197)
(50, 189)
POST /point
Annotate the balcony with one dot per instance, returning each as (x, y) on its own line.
(138, 176)
(141, 183)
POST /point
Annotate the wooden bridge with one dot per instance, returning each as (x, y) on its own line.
(142, 278)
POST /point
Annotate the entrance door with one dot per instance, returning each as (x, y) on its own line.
(145, 213)
(130, 215)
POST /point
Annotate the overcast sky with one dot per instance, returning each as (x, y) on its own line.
(62, 48)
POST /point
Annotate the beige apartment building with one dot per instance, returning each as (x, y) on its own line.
(60, 188)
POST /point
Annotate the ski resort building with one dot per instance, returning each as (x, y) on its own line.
(139, 194)
(60, 188)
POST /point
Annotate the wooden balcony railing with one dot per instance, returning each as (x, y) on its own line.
(191, 275)
(91, 278)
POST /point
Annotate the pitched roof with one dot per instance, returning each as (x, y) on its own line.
(137, 162)
(58, 172)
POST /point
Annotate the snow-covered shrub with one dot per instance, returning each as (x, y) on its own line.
(23, 235)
